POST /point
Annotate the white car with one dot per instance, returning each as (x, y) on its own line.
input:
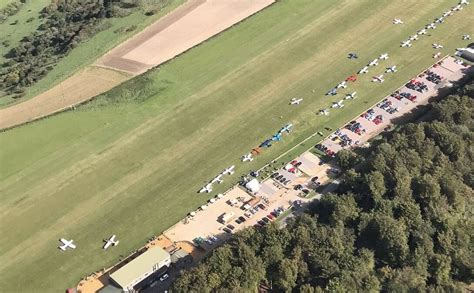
(164, 277)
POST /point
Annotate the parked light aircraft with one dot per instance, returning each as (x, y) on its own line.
(383, 56)
(364, 70)
(422, 32)
(110, 241)
(217, 179)
(66, 244)
(397, 21)
(437, 46)
(207, 188)
(378, 78)
(332, 92)
(229, 171)
(286, 128)
(391, 69)
(338, 104)
(324, 112)
(295, 101)
(439, 20)
(414, 38)
(457, 8)
(342, 84)
(466, 37)
(431, 26)
(351, 96)
(464, 2)
(374, 62)
(406, 44)
(247, 158)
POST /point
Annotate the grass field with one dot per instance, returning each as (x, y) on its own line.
(132, 168)
(84, 54)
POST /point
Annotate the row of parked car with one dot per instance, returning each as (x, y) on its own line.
(272, 216)
(280, 178)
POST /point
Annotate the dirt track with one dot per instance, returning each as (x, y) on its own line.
(182, 29)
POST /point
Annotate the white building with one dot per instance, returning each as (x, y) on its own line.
(140, 267)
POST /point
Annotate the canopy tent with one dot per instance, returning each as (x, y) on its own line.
(253, 185)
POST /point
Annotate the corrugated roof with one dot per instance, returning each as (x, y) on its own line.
(139, 266)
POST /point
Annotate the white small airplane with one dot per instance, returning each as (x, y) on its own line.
(431, 26)
(342, 85)
(383, 56)
(378, 78)
(439, 20)
(437, 46)
(110, 241)
(247, 158)
(217, 179)
(397, 21)
(338, 104)
(295, 101)
(463, 2)
(406, 44)
(351, 96)
(414, 38)
(437, 55)
(374, 62)
(447, 13)
(324, 112)
(364, 70)
(422, 32)
(457, 8)
(466, 37)
(207, 188)
(391, 69)
(229, 171)
(66, 244)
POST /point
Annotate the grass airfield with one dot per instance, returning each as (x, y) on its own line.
(130, 162)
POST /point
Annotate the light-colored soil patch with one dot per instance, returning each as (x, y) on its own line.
(80, 87)
(178, 33)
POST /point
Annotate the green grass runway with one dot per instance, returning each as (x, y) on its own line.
(133, 168)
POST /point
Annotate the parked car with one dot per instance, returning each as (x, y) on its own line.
(164, 277)
(262, 206)
(230, 227)
(271, 217)
(266, 220)
(227, 230)
(242, 219)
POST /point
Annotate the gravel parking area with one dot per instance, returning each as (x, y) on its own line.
(391, 108)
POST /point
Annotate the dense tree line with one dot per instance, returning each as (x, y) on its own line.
(401, 221)
(65, 23)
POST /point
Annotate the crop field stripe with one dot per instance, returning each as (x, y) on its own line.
(133, 169)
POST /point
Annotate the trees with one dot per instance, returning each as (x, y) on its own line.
(401, 222)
